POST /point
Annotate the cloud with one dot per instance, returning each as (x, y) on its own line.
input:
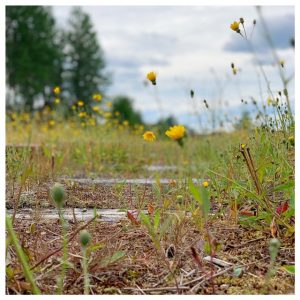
(281, 29)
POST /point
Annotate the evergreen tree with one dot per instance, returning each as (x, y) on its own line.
(85, 63)
(33, 55)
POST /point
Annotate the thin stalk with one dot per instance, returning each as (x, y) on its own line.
(22, 257)
(85, 272)
(65, 253)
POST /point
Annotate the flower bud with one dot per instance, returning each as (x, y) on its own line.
(85, 238)
(58, 194)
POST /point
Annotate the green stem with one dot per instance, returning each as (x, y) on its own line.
(65, 254)
(22, 258)
(85, 272)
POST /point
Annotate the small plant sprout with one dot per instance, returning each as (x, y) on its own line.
(85, 239)
(273, 251)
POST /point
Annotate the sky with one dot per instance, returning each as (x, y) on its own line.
(190, 47)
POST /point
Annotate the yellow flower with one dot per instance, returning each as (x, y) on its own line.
(97, 97)
(205, 184)
(73, 107)
(149, 136)
(95, 108)
(57, 101)
(270, 101)
(80, 103)
(56, 90)
(107, 114)
(152, 77)
(82, 114)
(82, 124)
(243, 146)
(176, 132)
(125, 123)
(51, 122)
(235, 26)
(117, 113)
(109, 104)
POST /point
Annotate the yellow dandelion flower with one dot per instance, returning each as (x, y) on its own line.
(270, 101)
(97, 97)
(56, 100)
(80, 103)
(82, 114)
(205, 184)
(51, 122)
(243, 146)
(56, 90)
(95, 108)
(152, 77)
(235, 26)
(107, 114)
(149, 136)
(125, 123)
(176, 132)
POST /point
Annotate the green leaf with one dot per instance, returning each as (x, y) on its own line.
(205, 201)
(286, 186)
(112, 259)
(165, 226)
(289, 268)
(156, 220)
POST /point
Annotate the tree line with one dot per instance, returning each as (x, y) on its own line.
(40, 56)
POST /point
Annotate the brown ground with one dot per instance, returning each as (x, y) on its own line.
(142, 267)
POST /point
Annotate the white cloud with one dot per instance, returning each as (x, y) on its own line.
(182, 44)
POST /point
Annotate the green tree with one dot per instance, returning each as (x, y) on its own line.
(85, 60)
(123, 105)
(33, 55)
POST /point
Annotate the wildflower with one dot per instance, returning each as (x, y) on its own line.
(56, 90)
(82, 124)
(80, 103)
(56, 100)
(107, 114)
(149, 136)
(243, 146)
(95, 108)
(97, 97)
(126, 123)
(109, 104)
(51, 122)
(235, 26)
(205, 184)
(117, 113)
(82, 114)
(73, 107)
(270, 101)
(292, 140)
(92, 122)
(152, 77)
(176, 132)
